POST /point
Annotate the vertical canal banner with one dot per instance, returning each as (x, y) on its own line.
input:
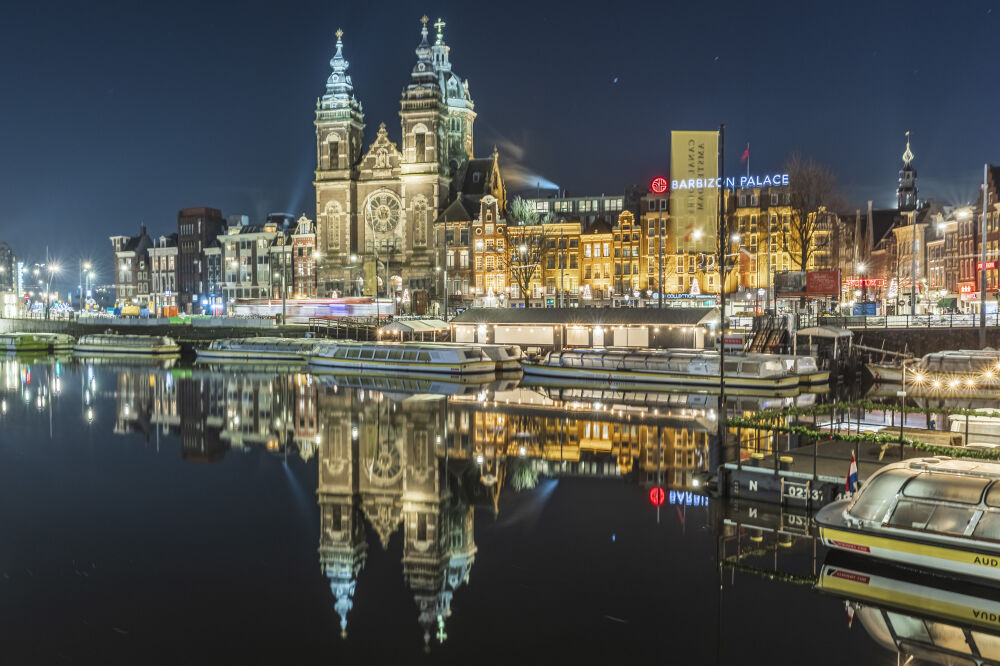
(694, 192)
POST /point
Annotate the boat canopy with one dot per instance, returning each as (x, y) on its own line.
(414, 326)
(828, 332)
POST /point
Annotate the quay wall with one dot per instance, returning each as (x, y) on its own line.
(920, 341)
(187, 335)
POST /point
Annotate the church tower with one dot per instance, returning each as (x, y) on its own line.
(339, 132)
(906, 194)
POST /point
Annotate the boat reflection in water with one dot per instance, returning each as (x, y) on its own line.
(925, 619)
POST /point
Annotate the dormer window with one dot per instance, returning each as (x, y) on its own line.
(489, 216)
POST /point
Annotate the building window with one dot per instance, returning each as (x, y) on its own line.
(333, 161)
(420, 146)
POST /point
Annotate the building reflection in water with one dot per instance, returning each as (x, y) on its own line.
(399, 459)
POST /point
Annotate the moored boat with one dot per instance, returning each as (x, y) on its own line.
(805, 367)
(678, 367)
(257, 349)
(31, 342)
(381, 357)
(114, 343)
(937, 513)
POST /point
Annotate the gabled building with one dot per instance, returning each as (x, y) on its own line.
(132, 274)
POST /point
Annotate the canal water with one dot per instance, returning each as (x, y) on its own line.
(181, 515)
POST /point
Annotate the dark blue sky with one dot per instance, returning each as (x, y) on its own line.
(120, 113)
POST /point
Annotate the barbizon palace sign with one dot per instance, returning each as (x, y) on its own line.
(773, 179)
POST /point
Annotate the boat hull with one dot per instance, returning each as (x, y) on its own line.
(886, 374)
(98, 350)
(977, 560)
(421, 367)
(217, 356)
(814, 378)
(673, 379)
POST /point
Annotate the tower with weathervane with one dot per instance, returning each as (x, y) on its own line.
(375, 208)
(906, 194)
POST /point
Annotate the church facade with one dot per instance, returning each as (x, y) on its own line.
(376, 206)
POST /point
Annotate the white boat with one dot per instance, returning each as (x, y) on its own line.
(886, 373)
(31, 342)
(419, 357)
(257, 349)
(114, 343)
(678, 367)
(937, 513)
(805, 367)
(956, 369)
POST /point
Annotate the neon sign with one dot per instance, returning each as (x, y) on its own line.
(966, 288)
(769, 180)
(687, 498)
(658, 185)
(656, 496)
(989, 265)
(865, 282)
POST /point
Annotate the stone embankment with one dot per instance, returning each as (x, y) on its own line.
(920, 341)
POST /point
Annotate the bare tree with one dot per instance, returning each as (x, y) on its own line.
(812, 198)
(525, 249)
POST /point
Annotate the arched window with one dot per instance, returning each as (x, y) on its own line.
(420, 143)
(333, 219)
(418, 221)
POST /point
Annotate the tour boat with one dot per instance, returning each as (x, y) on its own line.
(926, 621)
(937, 513)
(30, 342)
(420, 357)
(115, 343)
(679, 367)
(954, 369)
(257, 349)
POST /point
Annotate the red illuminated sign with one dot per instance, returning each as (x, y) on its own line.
(658, 185)
(989, 265)
(865, 282)
(656, 496)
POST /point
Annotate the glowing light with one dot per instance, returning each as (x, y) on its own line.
(658, 185)
(657, 496)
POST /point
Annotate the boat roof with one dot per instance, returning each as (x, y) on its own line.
(590, 316)
(949, 466)
(825, 332)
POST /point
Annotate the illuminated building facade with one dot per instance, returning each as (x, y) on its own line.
(381, 204)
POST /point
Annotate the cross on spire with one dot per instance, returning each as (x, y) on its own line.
(908, 154)
(439, 26)
(339, 33)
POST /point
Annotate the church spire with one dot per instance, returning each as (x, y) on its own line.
(423, 71)
(906, 194)
(339, 89)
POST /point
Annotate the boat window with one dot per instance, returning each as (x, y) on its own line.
(966, 489)
(381, 354)
(367, 354)
(396, 355)
(340, 352)
(950, 519)
(353, 353)
(911, 515)
(909, 627)
(988, 644)
(425, 356)
(732, 366)
(988, 526)
(409, 356)
(750, 368)
(877, 494)
(948, 637)
(472, 354)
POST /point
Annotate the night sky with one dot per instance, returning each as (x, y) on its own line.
(120, 113)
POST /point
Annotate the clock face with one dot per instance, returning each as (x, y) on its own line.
(382, 213)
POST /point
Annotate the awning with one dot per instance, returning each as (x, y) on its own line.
(415, 326)
(831, 332)
(948, 303)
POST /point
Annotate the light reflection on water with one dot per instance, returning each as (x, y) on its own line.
(443, 517)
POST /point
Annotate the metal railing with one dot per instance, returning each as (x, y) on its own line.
(899, 321)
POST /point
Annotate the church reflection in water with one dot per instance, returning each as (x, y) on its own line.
(409, 459)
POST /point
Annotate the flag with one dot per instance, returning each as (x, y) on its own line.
(852, 476)
(746, 155)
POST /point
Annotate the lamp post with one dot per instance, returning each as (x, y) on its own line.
(84, 268)
(50, 270)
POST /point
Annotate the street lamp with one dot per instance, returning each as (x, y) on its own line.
(84, 268)
(51, 269)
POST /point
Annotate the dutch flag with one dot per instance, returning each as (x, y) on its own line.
(852, 475)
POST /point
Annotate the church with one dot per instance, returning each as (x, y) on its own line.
(376, 208)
